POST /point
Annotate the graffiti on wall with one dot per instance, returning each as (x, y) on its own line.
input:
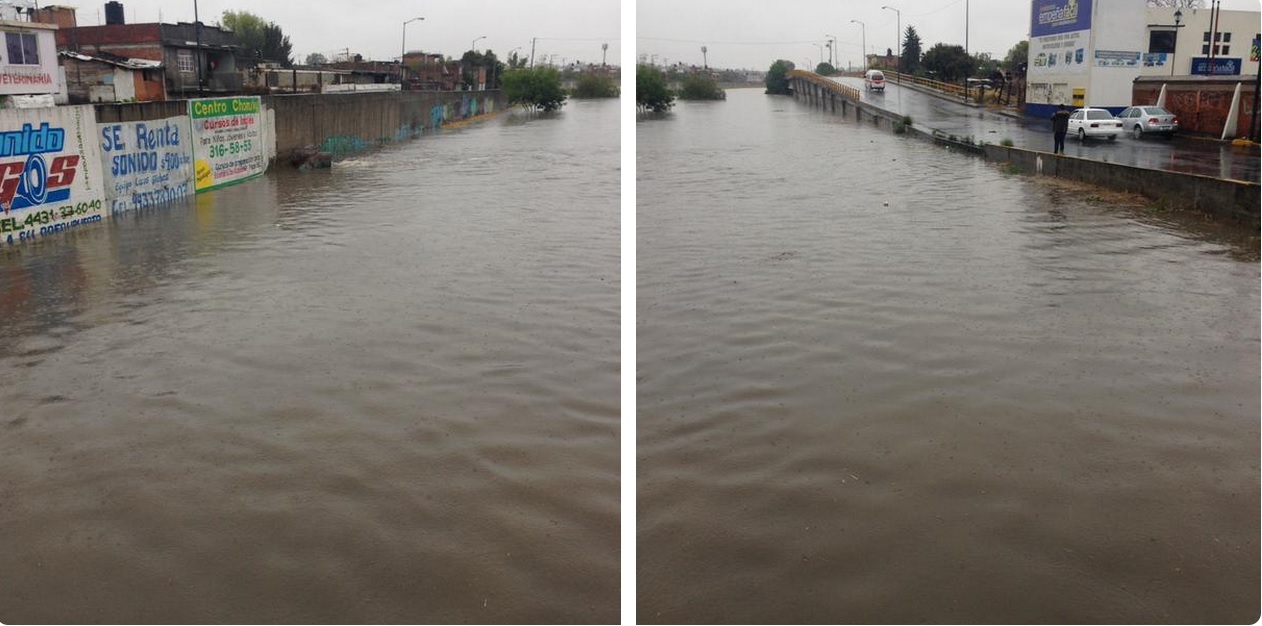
(48, 180)
(146, 163)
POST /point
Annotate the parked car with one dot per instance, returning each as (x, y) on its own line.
(1143, 120)
(1089, 122)
(874, 80)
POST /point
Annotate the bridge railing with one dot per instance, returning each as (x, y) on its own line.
(845, 91)
(928, 83)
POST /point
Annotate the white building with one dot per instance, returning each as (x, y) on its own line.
(1179, 42)
(28, 60)
(1089, 52)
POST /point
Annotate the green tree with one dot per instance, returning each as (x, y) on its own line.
(983, 65)
(536, 88)
(948, 63)
(651, 92)
(315, 58)
(259, 40)
(593, 85)
(1017, 55)
(472, 60)
(700, 87)
(777, 77)
(824, 69)
(911, 51)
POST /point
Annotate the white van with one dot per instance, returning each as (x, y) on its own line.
(874, 80)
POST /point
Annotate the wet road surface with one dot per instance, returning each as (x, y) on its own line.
(381, 393)
(883, 383)
(1181, 154)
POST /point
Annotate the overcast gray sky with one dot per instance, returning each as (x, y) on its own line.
(754, 33)
(570, 29)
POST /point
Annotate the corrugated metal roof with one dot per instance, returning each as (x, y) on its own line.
(131, 64)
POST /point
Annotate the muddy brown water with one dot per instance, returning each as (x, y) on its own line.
(880, 382)
(388, 392)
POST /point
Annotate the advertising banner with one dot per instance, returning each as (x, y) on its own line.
(228, 144)
(1116, 58)
(146, 163)
(1223, 66)
(50, 177)
(1053, 17)
(1059, 54)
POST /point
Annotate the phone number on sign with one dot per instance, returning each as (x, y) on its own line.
(232, 147)
(48, 216)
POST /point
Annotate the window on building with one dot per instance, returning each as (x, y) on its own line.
(185, 60)
(1161, 41)
(22, 48)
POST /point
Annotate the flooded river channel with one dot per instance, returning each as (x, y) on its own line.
(882, 382)
(388, 392)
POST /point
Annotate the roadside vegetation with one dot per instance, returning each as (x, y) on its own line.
(778, 77)
(536, 88)
(595, 86)
(700, 87)
(651, 92)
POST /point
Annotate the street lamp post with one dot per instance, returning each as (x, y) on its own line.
(1178, 17)
(864, 30)
(898, 25)
(474, 46)
(403, 48)
(705, 61)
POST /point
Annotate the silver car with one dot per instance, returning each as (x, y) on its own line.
(1140, 121)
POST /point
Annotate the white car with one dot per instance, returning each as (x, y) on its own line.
(874, 80)
(1089, 122)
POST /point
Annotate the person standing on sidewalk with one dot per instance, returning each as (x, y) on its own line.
(1060, 127)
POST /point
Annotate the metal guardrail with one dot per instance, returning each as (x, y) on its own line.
(928, 83)
(846, 91)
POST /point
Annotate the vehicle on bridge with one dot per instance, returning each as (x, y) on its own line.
(1089, 122)
(874, 80)
(1143, 120)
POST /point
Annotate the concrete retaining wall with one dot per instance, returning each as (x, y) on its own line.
(1229, 199)
(338, 123)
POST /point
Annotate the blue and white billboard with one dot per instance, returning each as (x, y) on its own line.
(1223, 66)
(1052, 17)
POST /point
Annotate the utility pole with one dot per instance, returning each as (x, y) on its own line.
(197, 26)
(604, 49)
(705, 63)
(864, 30)
(532, 50)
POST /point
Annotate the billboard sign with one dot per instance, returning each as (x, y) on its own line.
(146, 163)
(1117, 58)
(1223, 66)
(49, 181)
(1053, 17)
(227, 141)
(1059, 54)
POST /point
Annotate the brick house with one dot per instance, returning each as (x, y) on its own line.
(109, 78)
(430, 72)
(174, 46)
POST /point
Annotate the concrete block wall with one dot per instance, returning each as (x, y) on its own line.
(1232, 200)
(338, 123)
